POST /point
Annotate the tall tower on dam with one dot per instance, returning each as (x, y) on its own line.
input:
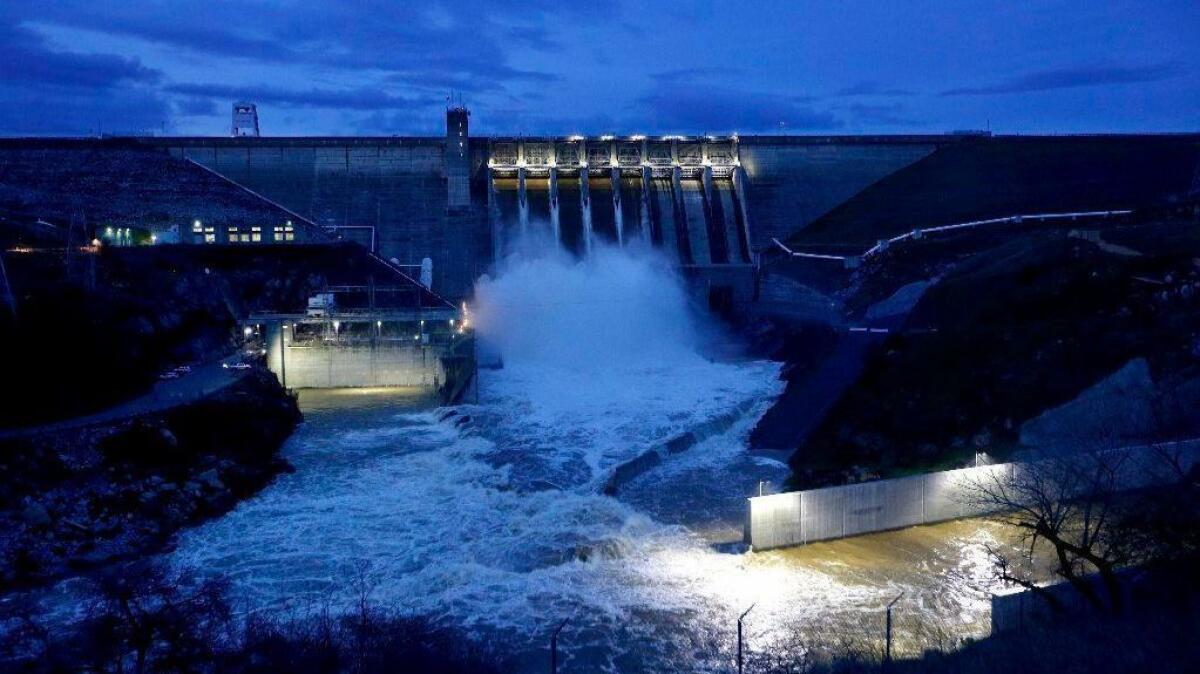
(245, 120)
(457, 158)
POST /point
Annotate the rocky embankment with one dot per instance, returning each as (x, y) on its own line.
(78, 499)
(985, 334)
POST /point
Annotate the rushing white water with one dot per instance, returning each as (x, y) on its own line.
(497, 525)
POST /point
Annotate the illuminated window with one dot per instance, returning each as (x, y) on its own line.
(210, 235)
(284, 232)
(256, 234)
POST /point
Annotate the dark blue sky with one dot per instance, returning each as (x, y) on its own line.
(380, 67)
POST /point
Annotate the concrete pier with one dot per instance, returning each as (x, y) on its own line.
(585, 196)
(522, 200)
(555, 223)
(615, 177)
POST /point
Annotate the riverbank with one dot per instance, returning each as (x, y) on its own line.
(956, 345)
(77, 499)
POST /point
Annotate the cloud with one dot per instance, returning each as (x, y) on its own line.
(366, 98)
(685, 109)
(1075, 77)
(39, 111)
(693, 75)
(48, 91)
(468, 40)
(25, 58)
(871, 89)
(196, 107)
(882, 115)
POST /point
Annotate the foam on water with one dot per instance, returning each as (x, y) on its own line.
(498, 526)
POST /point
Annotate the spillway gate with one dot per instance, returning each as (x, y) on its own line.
(684, 195)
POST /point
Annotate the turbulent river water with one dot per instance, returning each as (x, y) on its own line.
(494, 521)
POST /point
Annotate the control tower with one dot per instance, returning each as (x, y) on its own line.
(457, 158)
(245, 120)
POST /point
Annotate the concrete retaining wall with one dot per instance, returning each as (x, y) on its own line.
(800, 517)
(796, 518)
(650, 458)
(349, 367)
(356, 366)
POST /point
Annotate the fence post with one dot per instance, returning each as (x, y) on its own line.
(887, 656)
(739, 623)
(554, 646)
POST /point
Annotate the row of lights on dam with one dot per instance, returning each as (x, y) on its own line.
(578, 137)
(613, 163)
(462, 326)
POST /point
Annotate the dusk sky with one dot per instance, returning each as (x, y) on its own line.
(534, 67)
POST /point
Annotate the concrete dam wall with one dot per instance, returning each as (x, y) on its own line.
(392, 190)
(710, 203)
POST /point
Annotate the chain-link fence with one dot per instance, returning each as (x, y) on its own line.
(862, 641)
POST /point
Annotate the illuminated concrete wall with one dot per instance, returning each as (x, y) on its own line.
(796, 518)
(355, 366)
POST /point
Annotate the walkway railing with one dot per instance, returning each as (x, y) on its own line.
(917, 234)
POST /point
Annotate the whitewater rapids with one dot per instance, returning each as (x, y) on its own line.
(496, 524)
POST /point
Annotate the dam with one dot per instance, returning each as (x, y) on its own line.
(710, 204)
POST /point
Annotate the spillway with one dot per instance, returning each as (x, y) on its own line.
(696, 220)
(663, 213)
(604, 219)
(725, 212)
(631, 208)
(539, 216)
(682, 196)
(570, 214)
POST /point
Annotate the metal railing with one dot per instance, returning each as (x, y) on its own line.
(917, 234)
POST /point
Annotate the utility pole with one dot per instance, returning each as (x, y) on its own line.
(554, 646)
(740, 619)
(887, 655)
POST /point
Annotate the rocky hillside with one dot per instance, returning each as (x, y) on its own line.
(1009, 328)
(80, 498)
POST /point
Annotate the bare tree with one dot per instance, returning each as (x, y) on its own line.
(1088, 511)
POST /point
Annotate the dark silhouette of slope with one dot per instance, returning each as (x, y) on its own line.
(1011, 331)
(1004, 176)
(121, 184)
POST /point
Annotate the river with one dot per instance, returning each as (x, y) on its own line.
(493, 520)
